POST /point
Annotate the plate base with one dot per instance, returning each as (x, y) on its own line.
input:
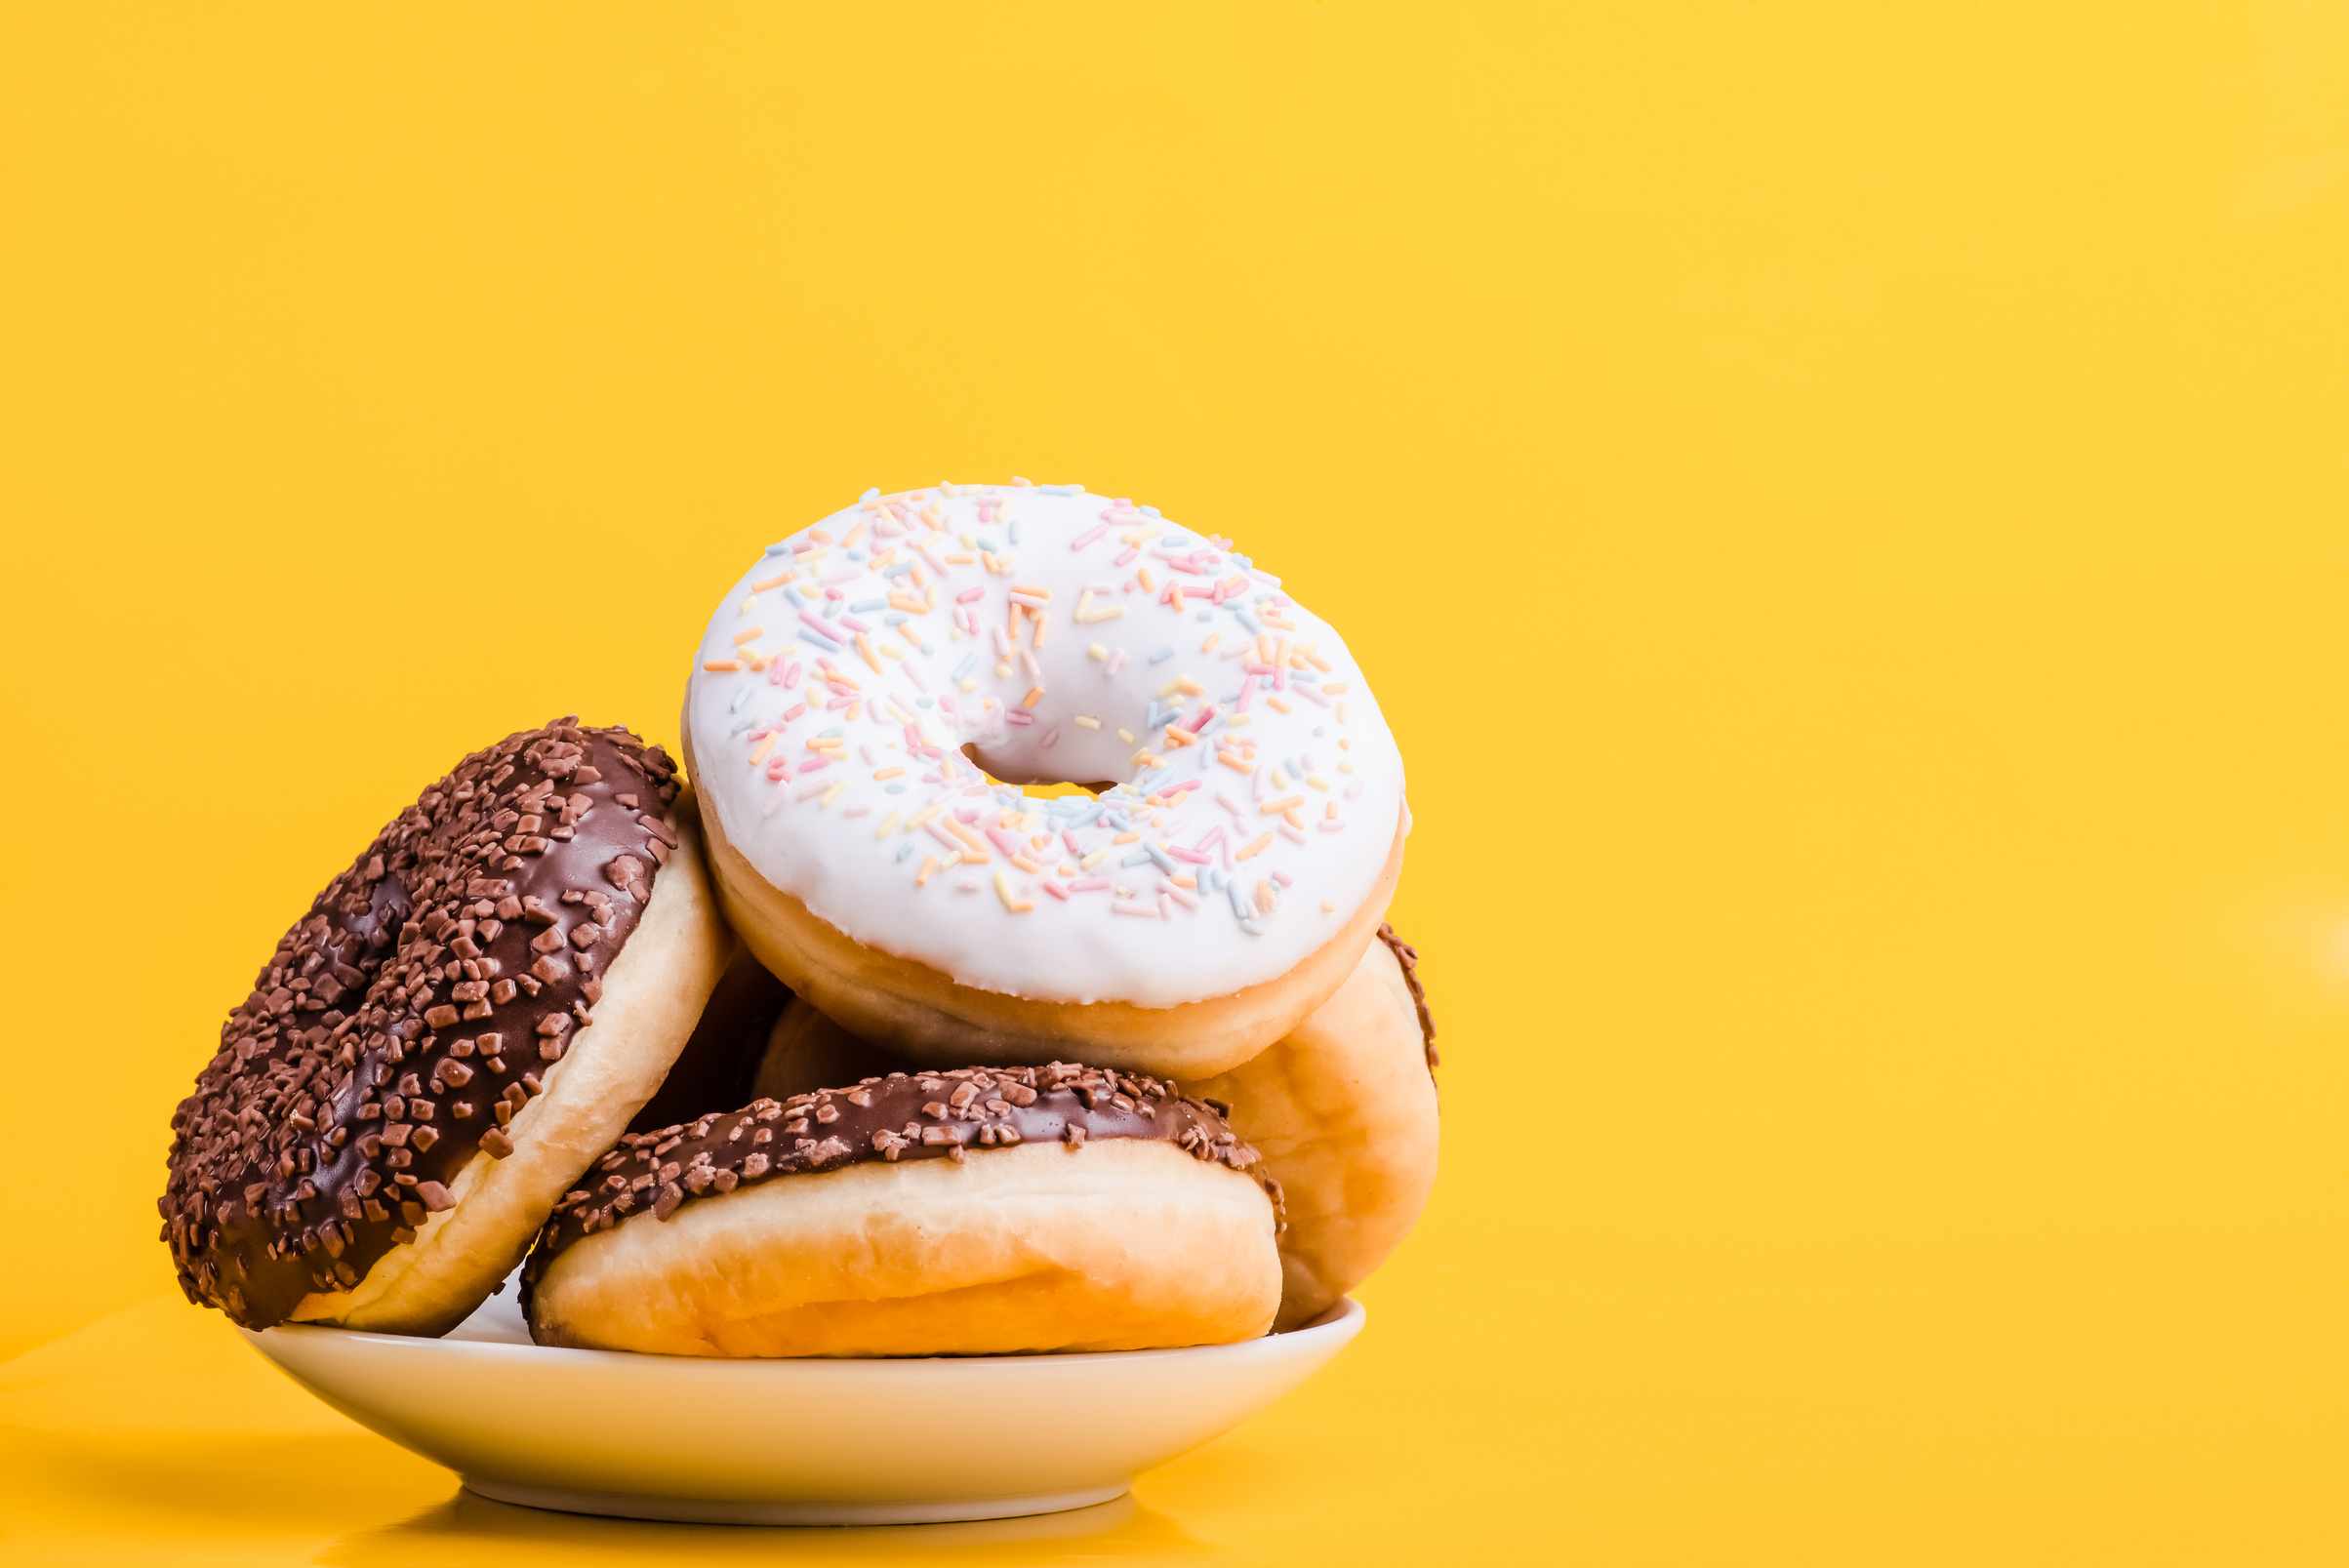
(712, 1511)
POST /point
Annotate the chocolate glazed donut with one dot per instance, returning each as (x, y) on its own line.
(976, 1211)
(405, 1034)
(1408, 956)
(1341, 1110)
(1344, 1110)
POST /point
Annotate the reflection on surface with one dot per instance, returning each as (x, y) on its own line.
(155, 1488)
(470, 1528)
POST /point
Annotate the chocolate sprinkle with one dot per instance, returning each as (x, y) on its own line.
(1408, 956)
(905, 1117)
(403, 1021)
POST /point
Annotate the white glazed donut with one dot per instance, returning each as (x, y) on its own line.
(1223, 889)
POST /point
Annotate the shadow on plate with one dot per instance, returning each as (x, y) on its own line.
(461, 1528)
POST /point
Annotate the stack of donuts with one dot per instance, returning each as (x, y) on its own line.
(1012, 976)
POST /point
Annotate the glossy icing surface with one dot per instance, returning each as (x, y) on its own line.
(1256, 790)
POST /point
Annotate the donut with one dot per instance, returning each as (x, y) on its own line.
(967, 1212)
(1343, 1110)
(464, 1019)
(721, 1057)
(863, 679)
(805, 1050)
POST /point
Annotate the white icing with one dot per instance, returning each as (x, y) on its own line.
(820, 836)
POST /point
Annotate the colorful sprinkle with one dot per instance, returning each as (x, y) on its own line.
(1012, 903)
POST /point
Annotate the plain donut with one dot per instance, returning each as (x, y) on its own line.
(1344, 1111)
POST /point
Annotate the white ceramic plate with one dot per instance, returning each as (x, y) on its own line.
(907, 1442)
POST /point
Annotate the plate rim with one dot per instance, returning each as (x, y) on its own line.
(1345, 1317)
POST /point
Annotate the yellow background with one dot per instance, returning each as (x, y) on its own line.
(1847, 507)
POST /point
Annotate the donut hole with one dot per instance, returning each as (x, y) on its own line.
(998, 772)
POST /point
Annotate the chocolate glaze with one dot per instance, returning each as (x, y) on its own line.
(1408, 956)
(404, 1019)
(904, 1116)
